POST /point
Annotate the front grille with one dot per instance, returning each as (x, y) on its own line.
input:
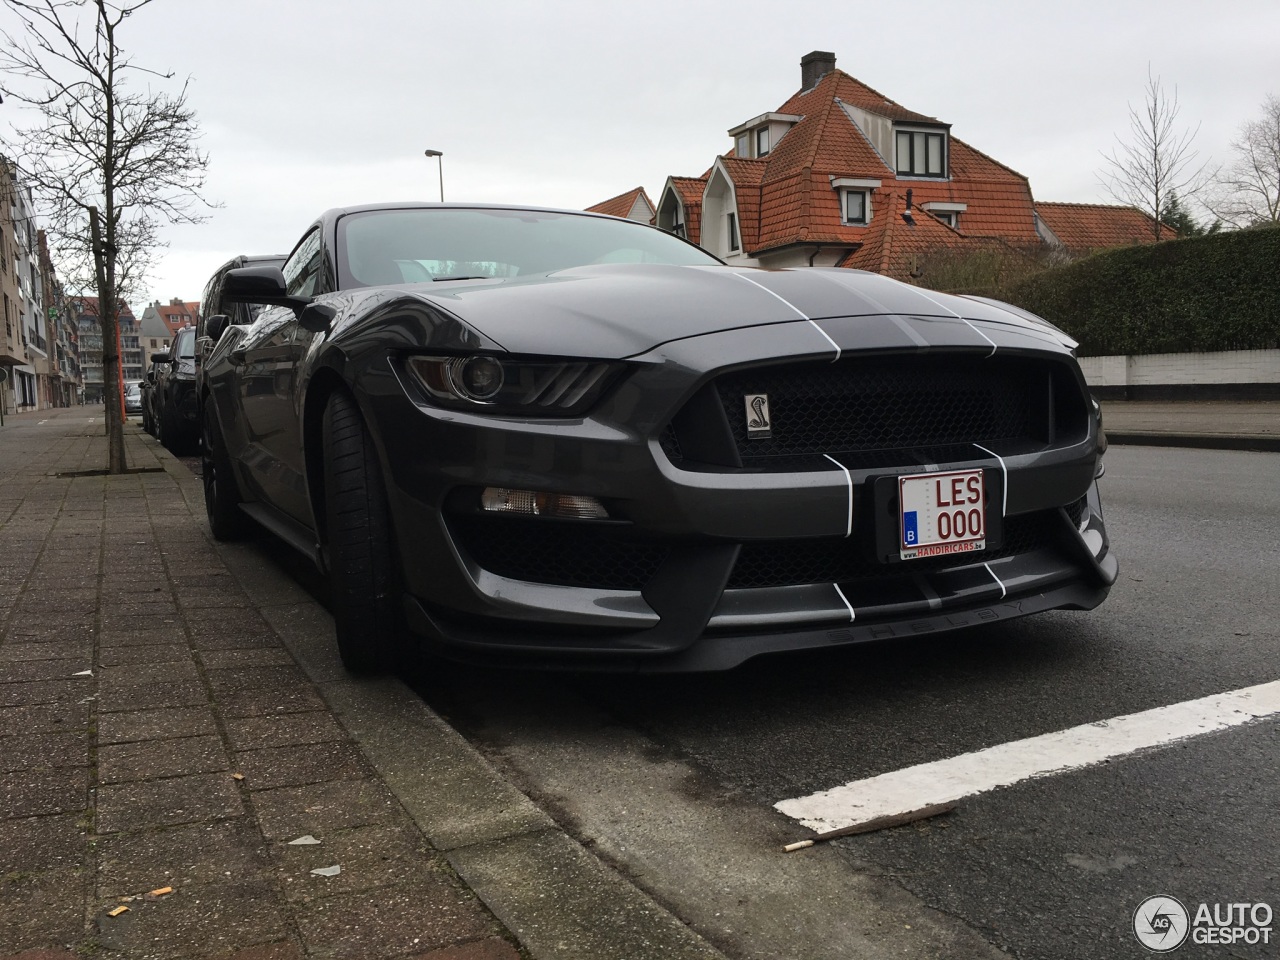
(568, 553)
(865, 404)
(781, 563)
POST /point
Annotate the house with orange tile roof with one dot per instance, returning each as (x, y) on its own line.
(840, 175)
(1082, 228)
(633, 205)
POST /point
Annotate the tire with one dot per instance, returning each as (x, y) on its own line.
(221, 492)
(364, 578)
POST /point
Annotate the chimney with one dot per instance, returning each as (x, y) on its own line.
(814, 66)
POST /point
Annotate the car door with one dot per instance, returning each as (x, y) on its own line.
(268, 358)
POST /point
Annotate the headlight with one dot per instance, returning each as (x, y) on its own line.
(515, 386)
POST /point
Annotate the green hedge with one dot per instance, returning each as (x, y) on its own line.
(1220, 292)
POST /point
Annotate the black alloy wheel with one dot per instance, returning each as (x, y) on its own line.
(221, 492)
(364, 578)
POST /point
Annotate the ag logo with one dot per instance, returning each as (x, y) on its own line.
(759, 426)
(1161, 924)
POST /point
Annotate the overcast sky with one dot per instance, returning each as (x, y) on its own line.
(310, 104)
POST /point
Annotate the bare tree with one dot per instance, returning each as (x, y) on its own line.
(109, 164)
(1157, 161)
(1247, 191)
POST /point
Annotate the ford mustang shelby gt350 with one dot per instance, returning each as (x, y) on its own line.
(562, 438)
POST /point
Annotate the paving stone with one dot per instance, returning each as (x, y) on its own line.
(213, 636)
(392, 921)
(167, 672)
(25, 752)
(300, 764)
(43, 718)
(252, 678)
(217, 852)
(44, 691)
(491, 948)
(254, 657)
(27, 670)
(370, 857)
(116, 656)
(113, 696)
(33, 844)
(194, 921)
(158, 724)
(289, 812)
(40, 909)
(263, 701)
(153, 803)
(150, 759)
(62, 627)
(151, 636)
(280, 730)
(44, 791)
(267, 951)
(20, 652)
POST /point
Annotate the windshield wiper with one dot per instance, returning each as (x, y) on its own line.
(458, 276)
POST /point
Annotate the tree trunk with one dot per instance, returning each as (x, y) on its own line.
(109, 320)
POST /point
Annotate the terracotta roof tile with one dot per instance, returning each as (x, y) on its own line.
(1097, 226)
(690, 190)
(621, 205)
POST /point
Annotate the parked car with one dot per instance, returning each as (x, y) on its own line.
(132, 397)
(556, 437)
(148, 388)
(174, 398)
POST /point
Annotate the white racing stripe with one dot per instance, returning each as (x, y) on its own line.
(948, 780)
(799, 312)
(848, 530)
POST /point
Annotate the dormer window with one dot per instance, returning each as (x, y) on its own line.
(921, 153)
(856, 207)
(948, 213)
(762, 142)
(855, 199)
(742, 146)
(755, 138)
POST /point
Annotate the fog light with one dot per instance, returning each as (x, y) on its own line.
(538, 503)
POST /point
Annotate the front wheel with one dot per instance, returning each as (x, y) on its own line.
(363, 575)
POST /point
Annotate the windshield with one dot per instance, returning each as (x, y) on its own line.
(415, 245)
(184, 345)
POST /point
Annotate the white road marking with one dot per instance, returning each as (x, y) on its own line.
(1009, 763)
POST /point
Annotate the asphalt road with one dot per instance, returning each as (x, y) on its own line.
(673, 779)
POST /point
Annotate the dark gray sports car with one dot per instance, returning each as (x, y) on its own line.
(564, 439)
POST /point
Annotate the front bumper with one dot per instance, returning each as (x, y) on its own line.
(704, 567)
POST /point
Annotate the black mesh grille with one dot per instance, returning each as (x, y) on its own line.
(840, 560)
(864, 404)
(567, 553)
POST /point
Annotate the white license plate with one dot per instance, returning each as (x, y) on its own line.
(941, 513)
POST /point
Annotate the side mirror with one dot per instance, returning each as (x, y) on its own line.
(316, 317)
(260, 285)
(216, 326)
(160, 358)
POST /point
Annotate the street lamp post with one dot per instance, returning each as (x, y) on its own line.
(439, 160)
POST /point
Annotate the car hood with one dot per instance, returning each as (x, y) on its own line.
(619, 311)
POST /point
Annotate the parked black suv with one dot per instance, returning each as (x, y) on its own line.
(177, 413)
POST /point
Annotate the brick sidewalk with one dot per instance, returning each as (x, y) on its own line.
(155, 732)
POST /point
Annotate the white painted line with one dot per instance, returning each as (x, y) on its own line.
(852, 617)
(800, 313)
(1003, 592)
(848, 530)
(1052, 753)
(1004, 506)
